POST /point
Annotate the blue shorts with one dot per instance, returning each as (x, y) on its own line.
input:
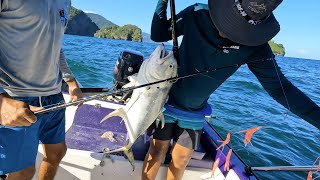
(19, 145)
(194, 120)
(184, 127)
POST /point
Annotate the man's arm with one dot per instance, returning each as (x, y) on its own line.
(67, 75)
(161, 30)
(74, 89)
(282, 90)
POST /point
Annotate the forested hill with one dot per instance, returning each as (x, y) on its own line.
(91, 24)
(80, 24)
(100, 21)
(127, 32)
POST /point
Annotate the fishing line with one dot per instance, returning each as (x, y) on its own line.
(114, 92)
(284, 94)
(250, 170)
(174, 30)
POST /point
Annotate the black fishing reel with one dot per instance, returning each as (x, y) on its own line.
(128, 63)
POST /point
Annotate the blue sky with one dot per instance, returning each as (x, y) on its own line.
(299, 20)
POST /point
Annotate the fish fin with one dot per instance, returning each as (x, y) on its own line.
(130, 157)
(119, 112)
(130, 84)
(127, 150)
(161, 118)
(133, 77)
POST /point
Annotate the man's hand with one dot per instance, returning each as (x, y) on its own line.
(74, 90)
(16, 113)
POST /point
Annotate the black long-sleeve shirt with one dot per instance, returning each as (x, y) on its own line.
(202, 48)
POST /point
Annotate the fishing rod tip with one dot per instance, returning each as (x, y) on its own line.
(248, 170)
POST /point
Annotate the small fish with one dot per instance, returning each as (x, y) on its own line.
(225, 142)
(215, 166)
(227, 162)
(249, 133)
(309, 175)
(146, 103)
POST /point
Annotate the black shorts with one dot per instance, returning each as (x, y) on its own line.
(185, 137)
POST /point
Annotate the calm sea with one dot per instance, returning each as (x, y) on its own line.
(240, 103)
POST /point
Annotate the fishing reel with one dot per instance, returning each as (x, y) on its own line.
(128, 63)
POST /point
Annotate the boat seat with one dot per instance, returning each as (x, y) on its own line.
(86, 130)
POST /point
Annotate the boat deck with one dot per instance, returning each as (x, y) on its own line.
(83, 138)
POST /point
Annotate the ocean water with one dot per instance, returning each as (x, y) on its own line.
(240, 103)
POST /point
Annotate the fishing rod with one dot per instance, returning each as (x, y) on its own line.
(113, 92)
(175, 48)
(250, 170)
(77, 102)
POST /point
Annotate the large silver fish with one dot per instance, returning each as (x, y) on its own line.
(146, 103)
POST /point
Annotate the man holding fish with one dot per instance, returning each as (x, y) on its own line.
(221, 34)
(146, 103)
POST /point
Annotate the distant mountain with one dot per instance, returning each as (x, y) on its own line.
(91, 24)
(80, 24)
(146, 37)
(100, 21)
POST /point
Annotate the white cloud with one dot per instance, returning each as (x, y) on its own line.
(90, 12)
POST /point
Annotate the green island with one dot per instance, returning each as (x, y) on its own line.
(277, 49)
(95, 25)
(127, 32)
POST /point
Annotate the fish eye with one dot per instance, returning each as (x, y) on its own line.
(170, 66)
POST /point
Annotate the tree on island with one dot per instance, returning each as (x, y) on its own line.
(277, 49)
(127, 32)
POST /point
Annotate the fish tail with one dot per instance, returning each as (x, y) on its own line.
(127, 150)
(130, 157)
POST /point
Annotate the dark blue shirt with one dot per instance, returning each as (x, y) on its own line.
(202, 48)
